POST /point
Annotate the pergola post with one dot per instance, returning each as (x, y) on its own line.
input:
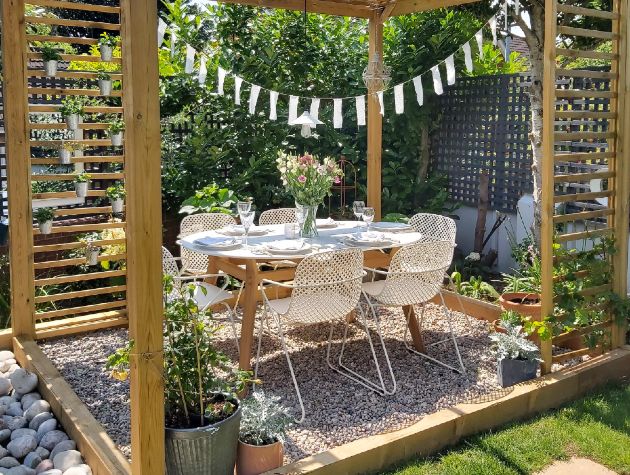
(144, 233)
(374, 123)
(18, 168)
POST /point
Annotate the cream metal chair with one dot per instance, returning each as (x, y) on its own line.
(277, 216)
(195, 263)
(414, 277)
(326, 288)
(206, 295)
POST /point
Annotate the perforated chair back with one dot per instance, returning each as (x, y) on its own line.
(195, 262)
(169, 264)
(434, 227)
(277, 216)
(327, 287)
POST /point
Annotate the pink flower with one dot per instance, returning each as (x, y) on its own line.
(337, 180)
(306, 160)
(302, 179)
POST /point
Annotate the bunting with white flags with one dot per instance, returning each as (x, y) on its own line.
(238, 81)
(493, 29)
(161, 31)
(360, 105)
(203, 71)
(190, 59)
(450, 70)
(253, 98)
(379, 94)
(468, 57)
(293, 108)
(437, 80)
(479, 38)
(399, 99)
(337, 113)
(173, 42)
(315, 108)
(220, 80)
(417, 84)
(273, 103)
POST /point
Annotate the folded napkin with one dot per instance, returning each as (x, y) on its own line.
(286, 245)
(368, 237)
(213, 241)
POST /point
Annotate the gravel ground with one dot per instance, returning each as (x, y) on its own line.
(337, 409)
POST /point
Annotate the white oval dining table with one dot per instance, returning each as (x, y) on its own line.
(245, 264)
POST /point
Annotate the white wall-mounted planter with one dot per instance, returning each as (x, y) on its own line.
(57, 202)
(118, 205)
(65, 156)
(117, 139)
(91, 255)
(50, 68)
(81, 189)
(106, 52)
(45, 227)
(105, 85)
(72, 121)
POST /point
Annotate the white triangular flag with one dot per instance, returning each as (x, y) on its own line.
(293, 107)
(379, 95)
(173, 42)
(417, 84)
(360, 102)
(468, 57)
(399, 99)
(337, 114)
(273, 102)
(437, 80)
(315, 108)
(501, 46)
(220, 80)
(203, 71)
(190, 59)
(253, 98)
(479, 38)
(450, 70)
(161, 32)
(238, 81)
(493, 28)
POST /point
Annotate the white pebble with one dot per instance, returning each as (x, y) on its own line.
(64, 460)
(23, 381)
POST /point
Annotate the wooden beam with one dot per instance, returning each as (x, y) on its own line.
(405, 7)
(141, 104)
(374, 125)
(328, 7)
(18, 167)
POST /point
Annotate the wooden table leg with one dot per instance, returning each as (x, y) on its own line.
(414, 328)
(250, 302)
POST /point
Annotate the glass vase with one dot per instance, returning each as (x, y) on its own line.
(309, 227)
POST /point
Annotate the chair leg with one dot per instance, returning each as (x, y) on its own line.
(231, 317)
(295, 383)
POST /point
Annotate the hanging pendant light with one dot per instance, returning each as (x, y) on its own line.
(376, 75)
(308, 122)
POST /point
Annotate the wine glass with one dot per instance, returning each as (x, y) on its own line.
(300, 217)
(247, 219)
(244, 207)
(368, 217)
(357, 209)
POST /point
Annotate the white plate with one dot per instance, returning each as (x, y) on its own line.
(239, 230)
(287, 247)
(368, 240)
(326, 223)
(390, 227)
(217, 243)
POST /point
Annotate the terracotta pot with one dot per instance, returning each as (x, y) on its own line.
(256, 459)
(513, 301)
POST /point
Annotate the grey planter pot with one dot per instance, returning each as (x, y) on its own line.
(45, 227)
(105, 85)
(511, 372)
(117, 139)
(65, 156)
(81, 189)
(72, 121)
(117, 206)
(50, 68)
(91, 255)
(106, 52)
(209, 450)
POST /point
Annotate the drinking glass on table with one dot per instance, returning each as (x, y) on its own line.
(357, 209)
(368, 217)
(300, 217)
(247, 219)
(244, 207)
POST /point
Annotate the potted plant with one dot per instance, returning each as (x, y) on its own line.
(116, 195)
(517, 357)
(65, 153)
(106, 44)
(51, 59)
(116, 127)
(81, 181)
(44, 218)
(202, 411)
(72, 110)
(263, 429)
(92, 252)
(521, 292)
(104, 83)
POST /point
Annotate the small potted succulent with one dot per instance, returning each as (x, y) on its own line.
(106, 44)
(263, 429)
(116, 195)
(65, 153)
(517, 357)
(44, 218)
(81, 181)
(51, 58)
(104, 83)
(116, 128)
(72, 110)
(92, 252)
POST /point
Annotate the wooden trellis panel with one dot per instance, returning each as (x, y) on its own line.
(585, 155)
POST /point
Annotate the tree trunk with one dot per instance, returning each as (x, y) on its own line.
(482, 210)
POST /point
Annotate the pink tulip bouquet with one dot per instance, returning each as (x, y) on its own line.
(307, 179)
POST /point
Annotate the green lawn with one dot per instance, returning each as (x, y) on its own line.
(596, 427)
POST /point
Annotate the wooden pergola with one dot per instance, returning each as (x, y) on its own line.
(141, 309)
